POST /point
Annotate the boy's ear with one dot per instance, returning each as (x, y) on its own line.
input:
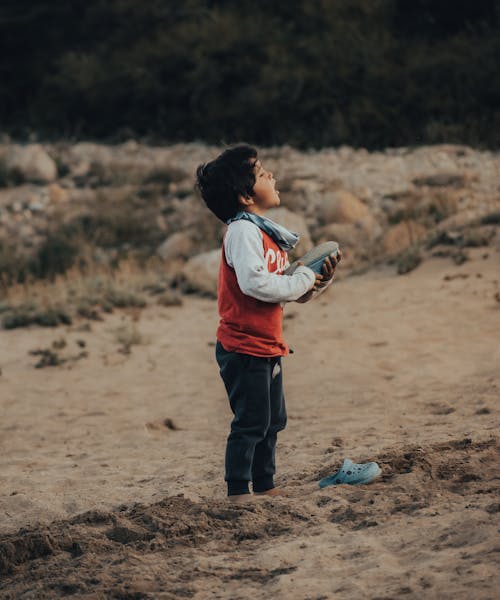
(246, 201)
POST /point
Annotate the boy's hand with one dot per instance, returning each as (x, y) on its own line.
(329, 267)
(321, 280)
(317, 283)
(309, 294)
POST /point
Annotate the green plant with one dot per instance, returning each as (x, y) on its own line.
(477, 237)
(444, 238)
(13, 266)
(366, 73)
(52, 317)
(116, 221)
(9, 177)
(86, 294)
(29, 314)
(88, 310)
(56, 255)
(491, 219)
(460, 256)
(48, 358)
(17, 318)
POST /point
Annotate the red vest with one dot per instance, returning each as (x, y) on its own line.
(248, 325)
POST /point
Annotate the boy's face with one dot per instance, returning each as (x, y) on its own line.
(265, 194)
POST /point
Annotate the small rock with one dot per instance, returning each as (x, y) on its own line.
(177, 245)
(36, 206)
(80, 169)
(348, 235)
(201, 272)
(300, 195)
(342, 207)
(57, 194)
(32, 162)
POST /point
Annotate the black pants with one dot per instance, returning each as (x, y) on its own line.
(255, 389)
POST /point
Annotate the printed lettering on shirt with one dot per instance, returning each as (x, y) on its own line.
(275, 258)
(270, 258)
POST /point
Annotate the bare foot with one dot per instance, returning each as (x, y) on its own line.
(240, 498)
(272, 492)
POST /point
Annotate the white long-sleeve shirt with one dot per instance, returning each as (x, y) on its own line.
(244, 250)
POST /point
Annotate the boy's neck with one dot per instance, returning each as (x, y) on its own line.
(260, 212)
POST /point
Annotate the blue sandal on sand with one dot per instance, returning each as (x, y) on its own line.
(352, 474)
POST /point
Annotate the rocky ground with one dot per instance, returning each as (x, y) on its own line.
(102, 203)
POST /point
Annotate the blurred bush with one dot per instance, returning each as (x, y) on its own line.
(105, 230)
(370, 73)
(9, 177)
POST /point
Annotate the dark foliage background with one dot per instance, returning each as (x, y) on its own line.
(369, 73)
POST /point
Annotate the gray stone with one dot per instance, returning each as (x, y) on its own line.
(177, 245)
(347, 235)
(341, 207)
(355, 239)
(32, 162)
(36, 206)
(300, 195)
(201, 272)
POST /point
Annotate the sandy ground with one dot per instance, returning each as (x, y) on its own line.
(100, 499)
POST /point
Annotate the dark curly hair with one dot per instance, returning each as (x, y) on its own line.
(222, 181)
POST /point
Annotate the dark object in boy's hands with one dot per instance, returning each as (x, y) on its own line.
(315, 259)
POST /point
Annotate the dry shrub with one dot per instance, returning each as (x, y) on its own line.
(116, 219)
(426, 208)
(127, 336)
(111, 226)
(31, 312)
(409, 260)
(87, 295)
(9, 177)
(442, 205)
(170, 298)
(464, 237)
(476, 237)
(491, 219)
(164, 176)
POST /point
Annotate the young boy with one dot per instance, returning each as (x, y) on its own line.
(251, 292)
